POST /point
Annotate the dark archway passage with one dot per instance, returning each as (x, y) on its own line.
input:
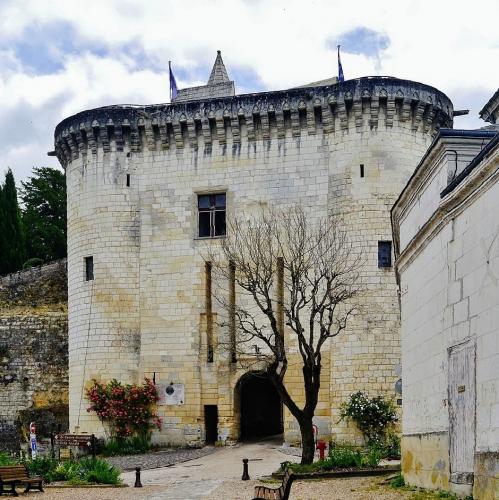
(261, 407)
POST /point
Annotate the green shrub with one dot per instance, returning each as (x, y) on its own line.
(42, 466)
(35, 261)
(305, 468)
(392, 446)
(342, 456)
(67, 471)
(398, 481)
(85, 470)
(371, 415)
(98, 471)
(6, 459)
(374, 454)
(77, 481)
(126, 446)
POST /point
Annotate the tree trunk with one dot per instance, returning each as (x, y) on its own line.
(307, 440)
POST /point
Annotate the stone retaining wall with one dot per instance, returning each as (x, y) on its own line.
(33, 353)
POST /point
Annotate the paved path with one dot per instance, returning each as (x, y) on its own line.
(155, 459)
(217, 476)
(198, 478)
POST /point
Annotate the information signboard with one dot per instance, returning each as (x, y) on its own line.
(171, 394)
(73, 439)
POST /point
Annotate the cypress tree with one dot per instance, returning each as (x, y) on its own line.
(12, 235)
(44, 214)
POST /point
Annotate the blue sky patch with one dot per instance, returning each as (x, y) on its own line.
(42, 48)
(361, 40)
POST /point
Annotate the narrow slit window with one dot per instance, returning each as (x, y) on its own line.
(127, 180)
(384, 254)
(211, 215)
(89, 268)
(362, 170)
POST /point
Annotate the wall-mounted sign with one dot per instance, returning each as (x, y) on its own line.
(171, 394)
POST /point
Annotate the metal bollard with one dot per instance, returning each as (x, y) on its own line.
(138, 484)
(245, 470)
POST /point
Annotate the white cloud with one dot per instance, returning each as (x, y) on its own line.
(446, 44)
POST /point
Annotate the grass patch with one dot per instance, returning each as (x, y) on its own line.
(340, 457)
(421, 493)
(398, 481)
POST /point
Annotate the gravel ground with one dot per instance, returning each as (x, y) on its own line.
(93, 493)
(330, 489)
(156, 459)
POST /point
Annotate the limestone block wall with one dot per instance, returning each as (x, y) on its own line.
(449, 298)
(134, 174)
(103, 224)
(33, 353)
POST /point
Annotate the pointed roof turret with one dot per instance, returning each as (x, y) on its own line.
(219, 85)
(218, 73)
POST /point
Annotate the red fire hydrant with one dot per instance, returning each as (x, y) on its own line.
(321, 446)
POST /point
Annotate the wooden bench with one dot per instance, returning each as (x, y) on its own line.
(281, 493)
(13, 475)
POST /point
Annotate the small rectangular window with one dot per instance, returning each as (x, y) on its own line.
(362, 170)
(211, 215)
(127, 180)
(89, 268)
(384, 254)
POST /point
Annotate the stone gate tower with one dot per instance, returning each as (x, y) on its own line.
(148, 187)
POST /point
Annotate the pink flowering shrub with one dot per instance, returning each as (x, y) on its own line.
(126, 410)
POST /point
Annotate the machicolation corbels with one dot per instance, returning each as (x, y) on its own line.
(364, 104)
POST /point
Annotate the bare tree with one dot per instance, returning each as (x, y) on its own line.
(293, 268)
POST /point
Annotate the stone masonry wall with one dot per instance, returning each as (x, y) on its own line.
(33, 353)
(133, 176)
(449, 300)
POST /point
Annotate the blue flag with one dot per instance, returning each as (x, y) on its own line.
(173, 83)
(341, 76)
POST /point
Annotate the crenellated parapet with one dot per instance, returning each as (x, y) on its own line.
(359, 105)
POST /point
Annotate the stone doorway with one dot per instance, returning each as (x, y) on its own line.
(260, 407)
(211, 423)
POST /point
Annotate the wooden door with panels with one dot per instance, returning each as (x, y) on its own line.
(462, 411)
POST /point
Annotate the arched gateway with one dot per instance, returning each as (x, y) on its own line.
(259, 406)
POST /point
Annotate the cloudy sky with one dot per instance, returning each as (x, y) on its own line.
(58, 57)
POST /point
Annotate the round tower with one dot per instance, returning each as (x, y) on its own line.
(135, 175)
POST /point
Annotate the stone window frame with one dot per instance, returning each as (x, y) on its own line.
(195, 215)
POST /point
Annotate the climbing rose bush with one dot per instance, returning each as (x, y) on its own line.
(126, 410)
(373, 416)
